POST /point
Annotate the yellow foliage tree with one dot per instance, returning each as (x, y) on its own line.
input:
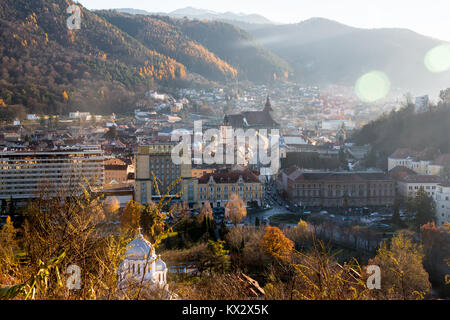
(129, 220)
(235, 209)
(65, 96)
(276, 244)
(402, 273)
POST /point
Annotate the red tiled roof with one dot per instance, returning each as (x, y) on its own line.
(116, 167)
(403, 153)
(400, 172)
(229, 176)
(299, 176)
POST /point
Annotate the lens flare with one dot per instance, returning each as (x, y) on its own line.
(372, 86)
(438, 59)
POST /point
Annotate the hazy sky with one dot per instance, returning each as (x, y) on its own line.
(429, 17)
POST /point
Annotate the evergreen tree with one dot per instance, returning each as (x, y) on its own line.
(423, 207)
(257, 222)
(396, 214)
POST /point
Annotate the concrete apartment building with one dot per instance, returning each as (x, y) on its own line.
(28, 174)
(442, 198)
(156, 158)
(337, 189)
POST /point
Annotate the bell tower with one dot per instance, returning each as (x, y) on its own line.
(268, 106)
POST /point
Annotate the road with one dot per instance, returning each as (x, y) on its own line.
(274, 200)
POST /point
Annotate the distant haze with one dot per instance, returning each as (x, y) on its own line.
(426, 17)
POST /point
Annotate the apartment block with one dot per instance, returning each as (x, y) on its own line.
(29, 174)
(155, 159)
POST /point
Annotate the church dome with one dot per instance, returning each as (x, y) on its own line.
(160, 265)
(139, 248)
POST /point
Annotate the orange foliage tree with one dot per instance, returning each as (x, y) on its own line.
(276, 244)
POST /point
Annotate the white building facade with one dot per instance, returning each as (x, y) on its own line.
(442, 199)
(409, 186)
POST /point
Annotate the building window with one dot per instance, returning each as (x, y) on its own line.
(143, 192)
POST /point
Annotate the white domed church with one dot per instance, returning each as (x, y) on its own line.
(140, 253)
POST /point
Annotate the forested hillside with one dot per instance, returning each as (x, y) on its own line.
(164, 38)
(45, 67)
(236, 47)
(407, 129)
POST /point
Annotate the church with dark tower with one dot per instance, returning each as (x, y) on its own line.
(253, 119)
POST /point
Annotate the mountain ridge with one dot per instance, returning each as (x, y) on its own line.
(46, 67)
(194, 13)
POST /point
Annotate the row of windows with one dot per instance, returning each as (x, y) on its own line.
(318, 193)
(233, 188)
(421, 187)
(345, 187)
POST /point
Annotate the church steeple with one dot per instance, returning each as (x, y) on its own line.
(268, 106)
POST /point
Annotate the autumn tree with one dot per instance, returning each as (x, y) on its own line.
(447, 260)
(65, 96)
(402, 273)
(300, 234)
(317, 275)
(276, 244)
(61, 231)
(235, 209)
(111, 207)
(436, 244)
(129, 219)
(152, 221)
(8, 247)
